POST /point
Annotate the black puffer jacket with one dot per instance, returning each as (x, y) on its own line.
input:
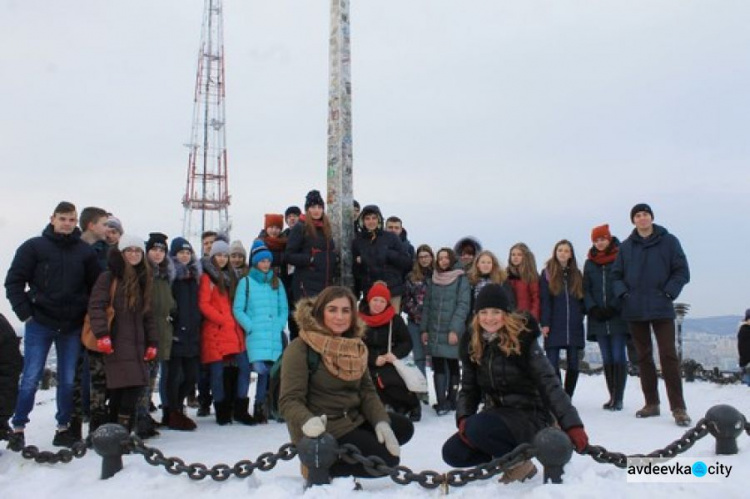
(11, 364)
(522, 389)
(60, 271)
(383, 257)
(314, 261)
(186, 338)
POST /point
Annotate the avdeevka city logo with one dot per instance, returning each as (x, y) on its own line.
(677, 470)
(699, 469)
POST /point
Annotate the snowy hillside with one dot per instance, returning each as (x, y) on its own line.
(211, 445)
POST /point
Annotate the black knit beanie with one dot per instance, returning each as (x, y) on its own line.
(314, 198)
(641, 207)
(156, 240)
(492, 296)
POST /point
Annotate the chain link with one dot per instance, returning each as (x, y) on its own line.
(77, 450)
(602, 455)
(218, 472)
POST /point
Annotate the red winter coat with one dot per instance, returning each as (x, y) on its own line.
(527, 296)
(220, 333)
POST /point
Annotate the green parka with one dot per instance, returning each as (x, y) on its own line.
(347, 404)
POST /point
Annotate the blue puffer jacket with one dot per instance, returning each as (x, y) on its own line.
(649, 274)
(563, 314)
(262, 312)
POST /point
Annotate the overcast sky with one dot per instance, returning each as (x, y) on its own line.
(508, 120)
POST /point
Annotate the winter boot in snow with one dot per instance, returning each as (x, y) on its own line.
(259, 413)
(441, 386)
(180, 422)
(64, 438)
(521, 472)
(620, 375)
(571, 380)
(16, 440)
(75, 428)
(240, 413)
(609, 376)
(223, 412)
(145, 427)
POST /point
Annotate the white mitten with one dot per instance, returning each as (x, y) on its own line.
(315, 426)
(386, 436)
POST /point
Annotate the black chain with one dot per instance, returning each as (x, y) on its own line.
(77, 450)
(429, 479)
(601, 455)
(218, 472)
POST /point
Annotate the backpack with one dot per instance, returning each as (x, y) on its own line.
(274, 383)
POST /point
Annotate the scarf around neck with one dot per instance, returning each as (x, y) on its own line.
(603, 257)
(344, 358)
(380, 319)
(447, 277)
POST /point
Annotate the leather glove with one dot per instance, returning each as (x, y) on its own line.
(150, 354)
(315, 426)
(386, 436)
(579, 437)
(104, 345)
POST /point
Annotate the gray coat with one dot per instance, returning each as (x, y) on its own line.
(445, 309)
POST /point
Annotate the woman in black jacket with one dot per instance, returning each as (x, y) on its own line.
(387, 339)
(505, 368)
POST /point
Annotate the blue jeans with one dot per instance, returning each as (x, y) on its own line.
(612, 348)
(216, 370)
(571, 354)
(261, 385)
(417, 348)
(37, 341)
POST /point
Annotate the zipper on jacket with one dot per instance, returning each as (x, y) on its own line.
(604, 295)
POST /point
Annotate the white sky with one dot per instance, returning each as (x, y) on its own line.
(509, 120)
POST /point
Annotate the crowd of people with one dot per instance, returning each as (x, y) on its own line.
(194, 327)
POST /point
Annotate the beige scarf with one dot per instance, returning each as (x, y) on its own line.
(345, 358)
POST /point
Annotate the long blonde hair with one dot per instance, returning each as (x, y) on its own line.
(497, 274)
(515, 324)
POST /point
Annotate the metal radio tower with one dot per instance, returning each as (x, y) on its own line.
(207, 199)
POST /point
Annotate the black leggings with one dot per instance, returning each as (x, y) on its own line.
(439, 365)
(122, 401)
(366, 441)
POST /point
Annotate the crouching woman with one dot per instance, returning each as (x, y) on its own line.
(336, 395)
(505, 368)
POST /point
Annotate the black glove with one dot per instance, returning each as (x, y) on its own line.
(597, 313)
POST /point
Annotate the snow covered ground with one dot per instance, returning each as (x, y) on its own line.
(212, 444)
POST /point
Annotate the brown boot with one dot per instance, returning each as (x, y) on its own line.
(681, 417)
(178, 421)
(521, 472)
(648, 410)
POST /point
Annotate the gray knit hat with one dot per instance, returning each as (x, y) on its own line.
(237, 248)
(219, 246)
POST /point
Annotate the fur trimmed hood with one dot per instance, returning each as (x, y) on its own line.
(192, 269)
(303, 314)
(165, 270)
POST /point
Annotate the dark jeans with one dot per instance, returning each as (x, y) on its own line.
(571, 355)
(366, 441)
(664, 330)
(489, 437)
(182, 375)
(612, 348)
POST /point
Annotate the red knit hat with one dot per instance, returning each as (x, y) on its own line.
(379, 289)
(274, 220)
(601, 231)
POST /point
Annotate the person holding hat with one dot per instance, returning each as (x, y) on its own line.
(184, 360)
(311, 250)
(605, 324)
(505, 369)
(132, 341)
(743, 347)
(260, 307)
(222, 339)
(648, 275)
(387, 339)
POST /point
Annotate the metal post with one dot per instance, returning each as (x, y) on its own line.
(339, 173)
(727, 423)
(317, 455)
(554, 450)
(109, 440)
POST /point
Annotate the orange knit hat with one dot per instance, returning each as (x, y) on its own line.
(601, 231)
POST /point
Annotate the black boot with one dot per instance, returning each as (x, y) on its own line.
(453, 391)
(145, 427)
(240, 413)
(571, 380)
(415, 414)
(259, 413)
(620, 372)
(441, 387)
(98, 418)
(609, 377)
(223, 412)
(75, 428)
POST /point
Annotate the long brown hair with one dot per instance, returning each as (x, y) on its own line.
(220, 283)
(527, 271)
(417, 273)
(515, 324)
(452, 259)
(311, 228)
(555, 273)
(327, 296)
(497, 274)
(137, 284)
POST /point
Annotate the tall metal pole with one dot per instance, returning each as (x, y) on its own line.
(340, 137)
(681, 310)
